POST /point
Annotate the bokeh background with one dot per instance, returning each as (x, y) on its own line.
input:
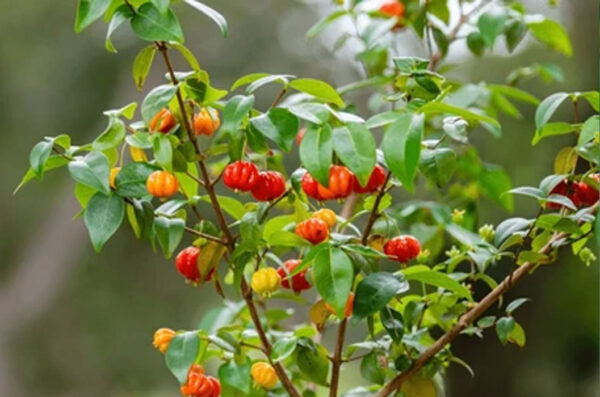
(73, 323)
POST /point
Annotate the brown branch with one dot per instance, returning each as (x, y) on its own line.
(273, 204)
(229, 239)
(278, 98)
(468, 318)
(205, 236)
(337, 359)
(374, 212)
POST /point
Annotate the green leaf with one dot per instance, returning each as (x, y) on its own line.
(103, 216)
(319, 89)
(248, 79)
(181, 354)
(278, 125)
(552, 129)
(316, 113)
(188, 185)
(236, 375)
(382, 119)
(169, 233)
(127, 111)
(279, 78)
(371, 369)
(517, 335)
(39, 155)
(509, 227)
(286, 239)
(375, 291)
(156, 100)
(234, 112)
(121, 14)
(142, 65)
(439, 8)
(408, 65)
(471, 117)
(393, 323)
(593, 98)
(515, 32)
(402, 148)
(438, 165)
(283, 348)
(163, 151)
(230, 205)
(514, 93)
(333, 274)
(504, 327)
(83, 194)
(187, 54)
(547, 108)
(162, 5)
(552, 34)
(312, 361)
(514, 305)
(211, 13)
(53, 162)
(316, 151)
(476, 43)
(491, 25)
(437, 279)
(323, 23)
(589, 130)
(131, 180)
(355, 146)
(112, 136)
(88, 11)
(92, 170)
(152, 25)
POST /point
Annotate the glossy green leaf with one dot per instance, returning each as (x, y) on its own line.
(547, 108)
(156, 100)
(181, 354)
(163, 151)
(437, 279)
(375, 291)
(162, 5)
(169, 233)
(92, 170)
(438, 165)
(333, 274)
(211, 13)
(88, 11)
(121, 14)
(393, 323)
(355, 147)
(504, 327)
(131, 180)
(278, 125)
(371, 369)
(402, 148)
(312, 361)
(152, 25)
(187, 54)
(491, 25)
(319, 89)
(552, 129)
(589, 130)
(112, 136)
(283, 348)
(142, 65)
(103, 215)
(552, 34)
(53, 162)
(39, 155)
(316, 151)
(234, 112)
(236, 375)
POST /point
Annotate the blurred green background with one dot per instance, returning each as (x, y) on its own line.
(73, 323)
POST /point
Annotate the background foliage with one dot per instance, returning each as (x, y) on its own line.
(72, 347)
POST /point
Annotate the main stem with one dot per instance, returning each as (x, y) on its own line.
(337, 359)
(229, 240)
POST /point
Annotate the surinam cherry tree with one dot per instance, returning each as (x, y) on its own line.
(200, 173)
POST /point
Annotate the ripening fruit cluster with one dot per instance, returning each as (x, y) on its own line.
(580, 193)
(263, 185)
(316, 228)
(206, 122)
(342, 183)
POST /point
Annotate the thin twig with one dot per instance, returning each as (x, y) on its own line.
(375, 211)
(204, 235)
(337, 359)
